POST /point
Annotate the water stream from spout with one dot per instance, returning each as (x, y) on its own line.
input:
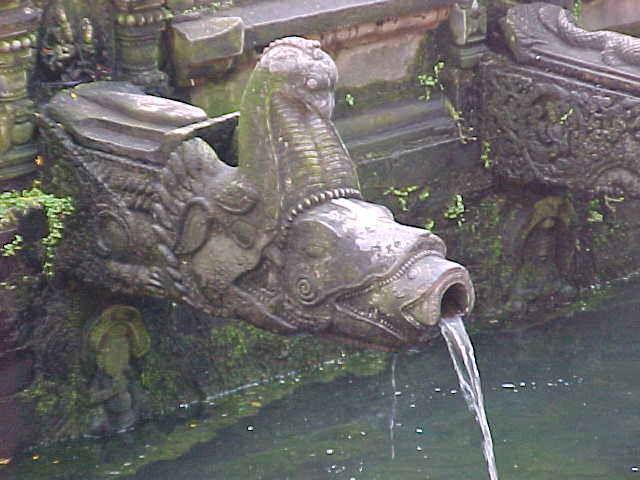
(464, 362)
(394, 405)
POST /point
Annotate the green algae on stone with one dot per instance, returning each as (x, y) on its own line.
(219, 412)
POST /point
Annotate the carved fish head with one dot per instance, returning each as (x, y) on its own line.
(337, 266)
(355, 274)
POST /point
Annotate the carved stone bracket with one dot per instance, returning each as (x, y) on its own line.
(138, 29)
(18, 23)
(547, 128)
(546, 36)
(205, 46)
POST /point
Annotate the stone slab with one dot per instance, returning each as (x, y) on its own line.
(116, 117)
(387, 60)
(203, 40)
(269, 20)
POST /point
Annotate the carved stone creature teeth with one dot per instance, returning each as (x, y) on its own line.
(375, 315)
(307, 202)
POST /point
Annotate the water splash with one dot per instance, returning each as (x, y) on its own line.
(464, 362)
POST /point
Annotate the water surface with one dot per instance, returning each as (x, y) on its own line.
(563, 401)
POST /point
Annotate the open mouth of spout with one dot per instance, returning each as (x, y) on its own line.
(406, 307)
(454, 301)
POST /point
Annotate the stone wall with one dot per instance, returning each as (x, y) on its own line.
(501, 155)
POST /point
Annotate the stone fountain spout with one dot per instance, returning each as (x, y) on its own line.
(284, 241)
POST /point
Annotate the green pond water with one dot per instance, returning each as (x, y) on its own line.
(563, 401)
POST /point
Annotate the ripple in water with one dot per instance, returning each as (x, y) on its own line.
(464, 362)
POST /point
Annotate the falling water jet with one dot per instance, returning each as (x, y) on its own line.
(464, 362)
(394, 405)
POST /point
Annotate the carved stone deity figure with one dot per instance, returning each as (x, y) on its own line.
(283, 241)
(115, 338)
(69, 58)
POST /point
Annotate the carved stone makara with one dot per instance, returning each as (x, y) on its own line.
(283, 241)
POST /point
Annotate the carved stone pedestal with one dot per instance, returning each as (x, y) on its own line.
(18, 23)
(138, 30)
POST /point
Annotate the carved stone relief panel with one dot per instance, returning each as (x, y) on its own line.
(547, 128)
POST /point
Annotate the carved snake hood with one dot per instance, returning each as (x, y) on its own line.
(288, 145)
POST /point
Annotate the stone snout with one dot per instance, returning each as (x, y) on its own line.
(369, 280)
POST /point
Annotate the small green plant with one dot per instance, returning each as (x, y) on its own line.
(565, 116)
(455, 209)
(594, 215)
(429, 82)
(424, 194)
(609, 201)
(485, 157)
(464, 131)
(429, 224)
(576, 9)
(401, 194)
(12, 247)
(350, 100)
(55, 209)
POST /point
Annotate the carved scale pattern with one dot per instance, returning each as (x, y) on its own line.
(615, 47)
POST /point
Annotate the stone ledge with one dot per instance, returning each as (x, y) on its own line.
(262, 25)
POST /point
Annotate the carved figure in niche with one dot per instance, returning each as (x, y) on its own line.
(116, 338)
(283, 241)
(69, 57)
(546, 250)
(58, 46)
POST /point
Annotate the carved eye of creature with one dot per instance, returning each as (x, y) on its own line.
(113, 236)
(305, 289)
(312, 84)
(314, 249)
(194, 228)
